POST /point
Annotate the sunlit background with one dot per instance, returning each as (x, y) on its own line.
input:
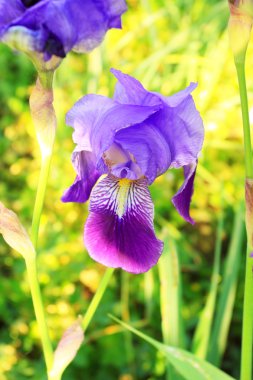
(165, 45)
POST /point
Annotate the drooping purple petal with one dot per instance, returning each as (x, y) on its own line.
(182, 198)
(87, 176)
(119, 231)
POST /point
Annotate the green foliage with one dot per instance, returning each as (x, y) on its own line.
(186, 364)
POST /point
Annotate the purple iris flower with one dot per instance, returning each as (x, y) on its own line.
(122, 145)
(54, 27)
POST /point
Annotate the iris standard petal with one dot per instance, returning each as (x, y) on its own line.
(148, 146)
(177, 98)
(182, 127)
(85, 115)
(87, 175)
(96, 119)
(129, 90)
(182, 198)
(119, 231)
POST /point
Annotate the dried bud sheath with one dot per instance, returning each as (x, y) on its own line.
(239, 27)
(14, 233)
(43, 114)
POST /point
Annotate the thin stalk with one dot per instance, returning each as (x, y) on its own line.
(43, 115)
(170, 301)
(225, 305)
(247, 329)
(125, 288)
(39, 311)
(40, 196)
(201, 340)
(149, 293)
(97, 298)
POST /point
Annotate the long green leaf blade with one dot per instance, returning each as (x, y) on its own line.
(202, 333)
(188, 365)
(228, 291)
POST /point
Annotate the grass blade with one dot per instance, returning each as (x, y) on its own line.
(228, 290)
(202, 333)
(188, 365)
(170, 299)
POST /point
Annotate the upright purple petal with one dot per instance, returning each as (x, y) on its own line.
(177, 120)
(182, 198)
(119, 231)
(129, 90)
(85, 115)
(148, 146)
(96, 119)
(182, 127)
(87, 175)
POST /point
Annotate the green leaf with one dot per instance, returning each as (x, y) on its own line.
(186, 364)
(170, 293)
(218, 341)
(203, 330)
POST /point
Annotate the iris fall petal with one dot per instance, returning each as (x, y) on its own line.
(182, 198)
(119, 231)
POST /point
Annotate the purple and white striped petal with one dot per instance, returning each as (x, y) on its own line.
(119, 231)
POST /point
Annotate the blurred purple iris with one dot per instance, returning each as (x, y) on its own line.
(131, 139)
(54, 27)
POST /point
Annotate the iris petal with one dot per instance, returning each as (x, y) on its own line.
(119, 231)
(87, 176)
(182, 198)
(177, 120)
(129, 90)
(9, 11)
(149, 148)
(96, 119)
(63, 25)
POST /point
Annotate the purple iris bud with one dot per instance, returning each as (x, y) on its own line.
(54, 27)
(129, 141)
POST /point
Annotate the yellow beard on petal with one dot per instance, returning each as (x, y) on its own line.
(124, 186)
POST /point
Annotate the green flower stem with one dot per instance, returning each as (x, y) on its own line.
(240, 68)
(39, 201)
(45, 123)
(39, 311)
(97, 298)
(247, 329)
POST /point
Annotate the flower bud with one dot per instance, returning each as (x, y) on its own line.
(14, 233)
(67, 349)
(239, 27)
